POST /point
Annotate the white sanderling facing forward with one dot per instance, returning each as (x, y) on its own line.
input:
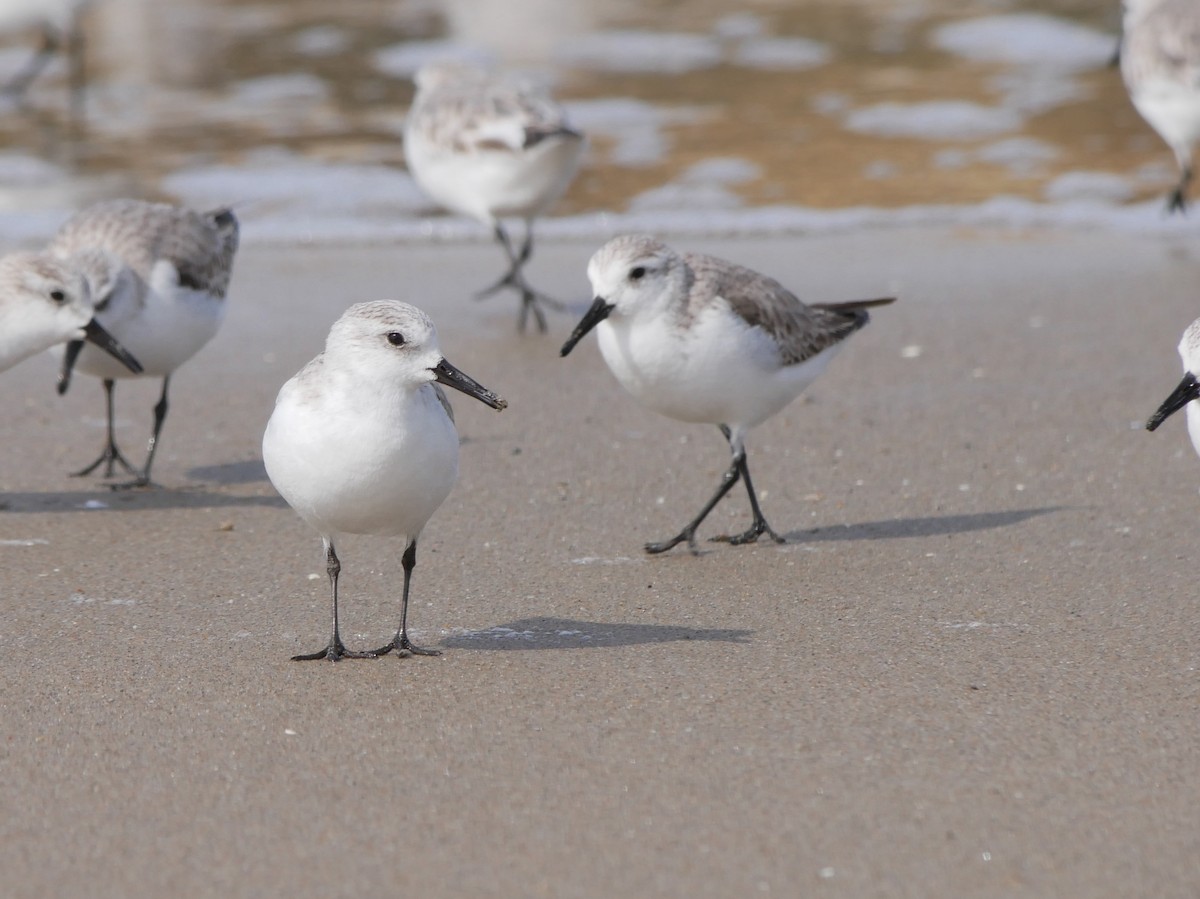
(362, 441)
(492, 147)
(1160, 62)
(44, 302)
(700, 339)
(1188, 388)
(159, 275)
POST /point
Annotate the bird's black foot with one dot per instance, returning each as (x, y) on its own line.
(402, 646)
(110, 458)
(756, 530)
(1177, 202)
(688, 534)
(141, 482)
(334, 651)
(531, 300)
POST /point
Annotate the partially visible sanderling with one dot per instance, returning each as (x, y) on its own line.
(159, 275)
(492, 147)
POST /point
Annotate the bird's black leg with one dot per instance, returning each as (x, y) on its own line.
(400, 643)
(531, 300)
(1178, 199)
(760, 526)
(142, 478)
(508, 279)
(689, 533)
(111, 455)
(335, 650)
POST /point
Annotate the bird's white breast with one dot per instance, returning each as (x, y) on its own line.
(361, 463)
(170, 327)
(716, 369)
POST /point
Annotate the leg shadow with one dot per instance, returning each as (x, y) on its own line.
(566, 633)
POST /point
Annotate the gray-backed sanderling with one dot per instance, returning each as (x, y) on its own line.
(700, 339)
(1160, 62)
(362, 441)
(159, 275)
(1188, 388)
(43, 303)
(492, 147)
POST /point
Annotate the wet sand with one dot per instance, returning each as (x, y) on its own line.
(971, 671)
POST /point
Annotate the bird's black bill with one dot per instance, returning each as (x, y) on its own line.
(1188, 390)
(598, 312)
(74, 348)
(94, 332)
(445, 373)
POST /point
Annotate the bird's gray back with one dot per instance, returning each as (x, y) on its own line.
(799, 331)
(1165, 43)
(201, 246)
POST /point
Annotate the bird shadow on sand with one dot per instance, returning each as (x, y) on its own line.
(929, 526)
(248, 472)
(566, 633)
(103, 500)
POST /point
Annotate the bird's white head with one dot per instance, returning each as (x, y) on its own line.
(43, 302)
(631, 275)
(636, 273)
(1189, 348)
(394, 342)
(1188, 389)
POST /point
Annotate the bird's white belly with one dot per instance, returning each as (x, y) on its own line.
(162, 336)
(1172, 109)
(490, 184)
(1193, 422)
(373, 474)
(721, 372)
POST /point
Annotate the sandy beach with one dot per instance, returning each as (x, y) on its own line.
(971, 671)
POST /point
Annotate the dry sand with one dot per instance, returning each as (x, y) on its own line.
(971, 671)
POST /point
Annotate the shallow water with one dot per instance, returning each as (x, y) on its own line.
(701, 115)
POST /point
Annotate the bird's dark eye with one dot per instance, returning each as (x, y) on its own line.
(636, 273)
(58, 296)
(395, 338)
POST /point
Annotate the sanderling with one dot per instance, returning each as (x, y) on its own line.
(700, 339)
(1187, 390)
(362, 441)
(57, 22)
(491, 147)
(159, 275)
(44, 302)
(1160, 61)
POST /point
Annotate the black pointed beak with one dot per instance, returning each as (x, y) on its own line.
(96, 334)
(93, 332)
(445, 373)
(74, 348)
(598, 312)
(1188, 390)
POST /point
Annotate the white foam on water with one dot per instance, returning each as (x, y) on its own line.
(933, 120)
(1027, 39)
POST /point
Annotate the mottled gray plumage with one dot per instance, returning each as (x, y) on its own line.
(801, 331)
(200, 245)
(461, 109)
(1162, 42)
